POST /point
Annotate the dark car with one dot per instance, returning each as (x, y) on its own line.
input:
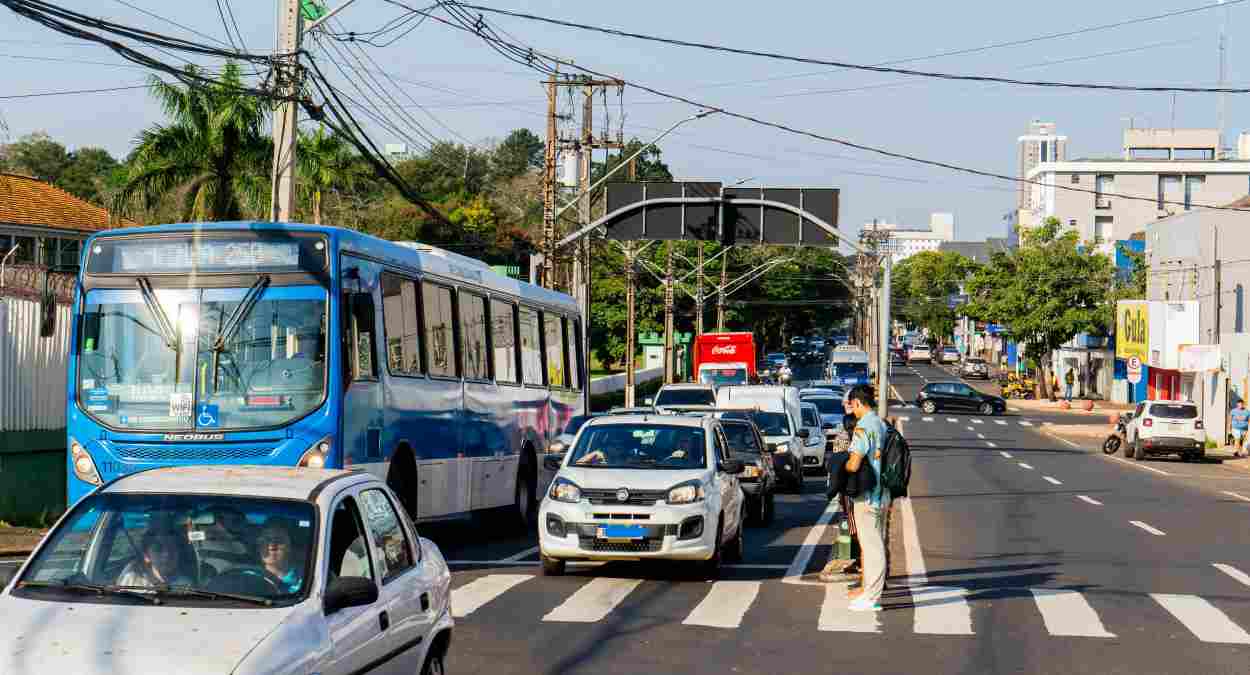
(937, 396)
(758, 479)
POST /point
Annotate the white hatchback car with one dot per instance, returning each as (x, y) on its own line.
(644, 486)
(231, 569)
(1166, 427)
(814, 444)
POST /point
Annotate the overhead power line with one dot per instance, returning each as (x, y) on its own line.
(75, 91)
(1098, 86)
(536, 56)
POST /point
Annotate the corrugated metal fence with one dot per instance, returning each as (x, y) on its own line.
(32, 369)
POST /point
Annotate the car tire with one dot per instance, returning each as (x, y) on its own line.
(434, 664)
(987, 409)
(1139, 453)
(733, 551)
(524, 504)
(929, 407)
(710, 569)
(769, 510)
(1128, 449)
(552, 567)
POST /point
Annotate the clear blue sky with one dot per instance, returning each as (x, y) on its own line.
(963, 123)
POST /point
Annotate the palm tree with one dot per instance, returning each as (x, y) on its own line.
(326, 162)
(213, 155)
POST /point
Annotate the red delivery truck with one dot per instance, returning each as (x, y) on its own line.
(724, 358)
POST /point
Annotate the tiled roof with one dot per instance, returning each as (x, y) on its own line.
(28, 201)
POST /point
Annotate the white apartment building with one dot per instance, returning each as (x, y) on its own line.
(904, 243)
(1040, 144)
(1161, 172)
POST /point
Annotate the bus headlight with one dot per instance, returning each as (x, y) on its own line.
(84, 466)
(316, 456)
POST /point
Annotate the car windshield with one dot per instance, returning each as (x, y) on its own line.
(721, 376)
(640, 446)
(811, 418)
(685, 397)
(741, 439)
(850, 369)
(827, 405)
(769, 423)
(269, 370)
(1173, 411)
(206, 548)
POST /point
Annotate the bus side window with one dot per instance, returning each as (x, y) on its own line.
(573, 347)
(358, 338)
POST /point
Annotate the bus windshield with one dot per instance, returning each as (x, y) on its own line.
(850, 369)
(269, 370)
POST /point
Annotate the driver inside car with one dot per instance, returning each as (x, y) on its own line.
(612, 452)
(274, 550)
(683, 448)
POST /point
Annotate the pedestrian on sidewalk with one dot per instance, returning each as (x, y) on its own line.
(869, 506)
(1240, 419)
(1069, 380)
(1054, 385)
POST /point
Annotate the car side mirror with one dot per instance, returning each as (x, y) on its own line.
(805, 433)
(344, 592)
(731, 466)
(553, 462)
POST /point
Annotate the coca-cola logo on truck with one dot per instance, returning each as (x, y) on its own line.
(725, 350)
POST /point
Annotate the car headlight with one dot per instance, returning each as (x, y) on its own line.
(316, 456)
(686, 493)
(84, 466)
(752, 471)
(781, 448)
(565, 490)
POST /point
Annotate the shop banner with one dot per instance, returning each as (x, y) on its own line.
(1132, 329)
(1199, 358)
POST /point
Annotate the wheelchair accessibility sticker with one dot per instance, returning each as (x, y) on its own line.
(207, 416)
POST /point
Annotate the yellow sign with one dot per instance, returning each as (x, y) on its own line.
(1132, 329)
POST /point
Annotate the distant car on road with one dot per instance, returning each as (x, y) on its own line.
(937, 396)
(685, 394)
(814, 446)
(758, 479)
(231, 569)
(1166, 427)
(950, 354)
(975, 367)
(919, 353)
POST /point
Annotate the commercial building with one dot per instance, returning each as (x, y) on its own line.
(1039, 144)
(905, 242)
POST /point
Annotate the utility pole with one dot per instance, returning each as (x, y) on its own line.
(631, 332)
(698, 301)
(720, 294)
(285, 119)
(581, 285)
(549, 189)
(883, 339)
(668, 318)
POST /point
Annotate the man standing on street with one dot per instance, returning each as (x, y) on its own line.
(1069, 380)
(870, 508)
(1240, 418)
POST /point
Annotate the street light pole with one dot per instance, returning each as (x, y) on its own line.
(883, 339)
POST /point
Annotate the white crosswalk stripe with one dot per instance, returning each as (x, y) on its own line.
(469, 597)
(977, 421)
(937, 610)
(1203, 619)
(904, 418)
(953, 419)
(593, 601)
(1068, 614)
(926, 419)
(1025, 423)
(725, 604)
(1000, 422)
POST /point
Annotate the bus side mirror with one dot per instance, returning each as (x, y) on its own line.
(47, 308)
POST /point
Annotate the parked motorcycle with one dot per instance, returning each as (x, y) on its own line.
(1117, 439)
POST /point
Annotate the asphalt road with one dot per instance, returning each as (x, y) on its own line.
(1016, 553)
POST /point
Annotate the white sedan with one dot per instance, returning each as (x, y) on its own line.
(231, 570)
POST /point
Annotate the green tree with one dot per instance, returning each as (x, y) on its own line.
(1043, 293)
(91, 174)
(211, 157)
(326, 163)
(521, 151)
(921, 286)
(39, 156)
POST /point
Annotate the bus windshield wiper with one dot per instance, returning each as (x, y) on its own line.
(154, 307)
(216, 595)
(240, 313)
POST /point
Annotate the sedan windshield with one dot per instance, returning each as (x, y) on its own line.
(268, 370)
(769, 423)
(685, 397)
(1173, 411)
(215, 549)
(640, 446)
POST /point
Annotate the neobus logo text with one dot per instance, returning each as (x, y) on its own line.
(195, 437)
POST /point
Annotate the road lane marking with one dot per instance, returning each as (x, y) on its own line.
(953, 419)
(1067, 613)
(1234, 494)
(1005, 454)
(1233, 572)
(1000, 422)
(1089, 500)
(941, 610)
(991, 444)
(470, 597)
(1155, 531)
(593, 601)
(1052, 481)
(977, 421)
(1139, 465)
(970, 429)
(1025, 423)
(980, 436)
(1025, 466)
(903, 418)
(522, 555)
(835, 614)
(724, 605)
(794, 573)
(916, 571)
(1203, 619)
(926, 419)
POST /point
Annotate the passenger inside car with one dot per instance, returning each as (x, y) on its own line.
(164, 561)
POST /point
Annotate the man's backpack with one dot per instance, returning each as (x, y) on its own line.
(895, 463)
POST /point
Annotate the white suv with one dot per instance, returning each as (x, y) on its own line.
(644, 486)
(814, 444)
(920, 353)
(775, 410)
(1166, 427)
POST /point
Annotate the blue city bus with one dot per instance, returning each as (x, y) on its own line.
(307, 346)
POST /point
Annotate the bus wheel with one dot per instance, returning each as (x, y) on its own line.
(402, 479)
(524, 503)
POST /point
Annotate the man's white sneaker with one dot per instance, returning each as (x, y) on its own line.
(861, 605)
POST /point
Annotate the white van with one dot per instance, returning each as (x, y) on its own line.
(777, 413)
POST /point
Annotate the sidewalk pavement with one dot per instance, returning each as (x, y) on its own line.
(19, 541)
(1102, 408)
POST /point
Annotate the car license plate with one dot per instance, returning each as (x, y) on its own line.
(622, 532)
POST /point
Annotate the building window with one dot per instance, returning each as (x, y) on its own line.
(1102, 229)
(1193, 153)
(1149, 153)
(1076, 179)
(1169, 186)
(1072, 223)
(1193, 186)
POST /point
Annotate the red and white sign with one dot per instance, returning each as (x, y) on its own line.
(725, 348)
(1134, 370)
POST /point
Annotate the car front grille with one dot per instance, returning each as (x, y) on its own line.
(634, 546)
(636, 497)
